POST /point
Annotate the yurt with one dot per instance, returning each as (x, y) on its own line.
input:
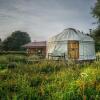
(71, 44)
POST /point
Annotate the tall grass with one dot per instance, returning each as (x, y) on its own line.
(49, 80)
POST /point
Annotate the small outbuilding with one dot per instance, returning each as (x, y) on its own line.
(36, 48)
(71, 44)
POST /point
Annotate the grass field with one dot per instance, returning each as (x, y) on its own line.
(22, 79)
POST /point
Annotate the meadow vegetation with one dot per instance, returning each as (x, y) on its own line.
(23, 79)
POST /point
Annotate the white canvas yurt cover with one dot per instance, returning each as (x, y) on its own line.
(72, 44)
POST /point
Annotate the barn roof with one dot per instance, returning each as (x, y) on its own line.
(35, 44)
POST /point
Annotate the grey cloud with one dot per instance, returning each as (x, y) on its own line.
(44, 18)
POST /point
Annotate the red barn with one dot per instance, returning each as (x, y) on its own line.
(36, 48)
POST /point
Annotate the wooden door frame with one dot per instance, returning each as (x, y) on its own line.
(77, 49)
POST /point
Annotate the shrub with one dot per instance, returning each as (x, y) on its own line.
(12, 65)
(3, 66)
(17, 58)
(36, 81)
(13, 52)
(3, 60)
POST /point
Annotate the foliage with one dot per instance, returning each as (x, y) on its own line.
(15, 41)
(49, 80)
(13, 52)
(96, 10)
(0, 44)
(96, 32)
(96, 36)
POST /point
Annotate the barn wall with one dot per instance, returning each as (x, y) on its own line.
(32, 51)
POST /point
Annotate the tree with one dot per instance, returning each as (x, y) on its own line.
(96, 14)
(96, 36)
(15, 41)
(96, 10)
(0, 44)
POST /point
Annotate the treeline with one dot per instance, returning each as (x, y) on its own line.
(96, 32)
(15, 41)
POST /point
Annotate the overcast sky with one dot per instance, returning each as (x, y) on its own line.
(44, 18)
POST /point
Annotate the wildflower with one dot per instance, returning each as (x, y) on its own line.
(84, 75)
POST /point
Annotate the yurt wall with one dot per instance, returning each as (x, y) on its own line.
(71, 44)
(87, 50)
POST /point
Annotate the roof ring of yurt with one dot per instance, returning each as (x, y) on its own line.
(71, 44)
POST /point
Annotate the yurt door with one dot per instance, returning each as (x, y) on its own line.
(73, 49)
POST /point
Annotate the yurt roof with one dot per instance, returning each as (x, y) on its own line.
(70, 34)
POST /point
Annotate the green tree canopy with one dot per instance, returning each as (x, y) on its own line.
(15, 41)
(0, 44)
(96, 10)
(96, 32)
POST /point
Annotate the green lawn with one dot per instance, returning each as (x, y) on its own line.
(21, 79)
